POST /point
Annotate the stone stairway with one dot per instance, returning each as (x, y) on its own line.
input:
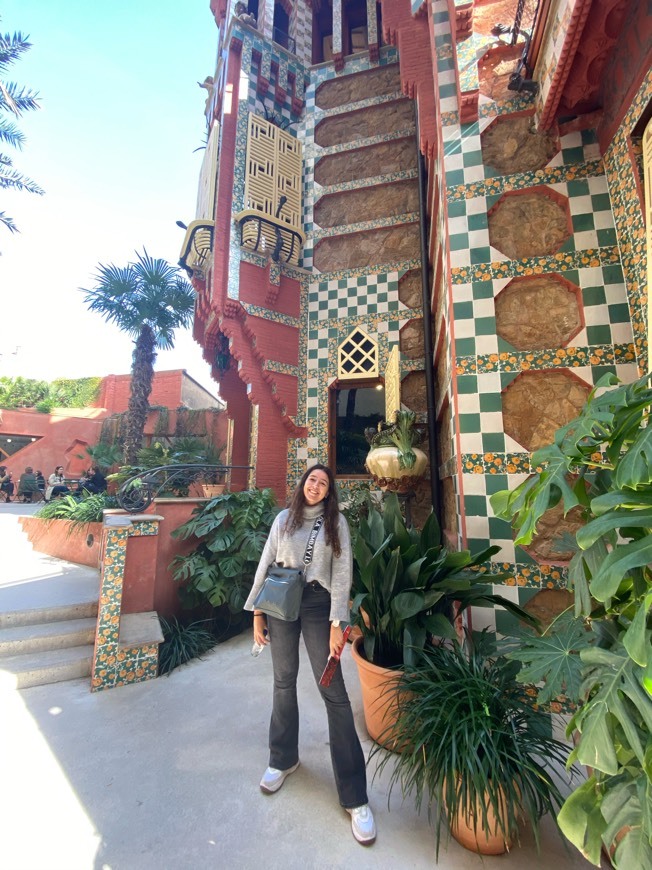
(48, 611)
(57, 645)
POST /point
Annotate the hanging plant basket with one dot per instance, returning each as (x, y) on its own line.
(395, 461)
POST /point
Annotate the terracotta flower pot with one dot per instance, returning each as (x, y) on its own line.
(211, 490)
(379, 695)
(469, 831)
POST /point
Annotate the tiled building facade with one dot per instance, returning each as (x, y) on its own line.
(536, 238)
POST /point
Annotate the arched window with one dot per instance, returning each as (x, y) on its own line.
(357, 402)
(357, 356)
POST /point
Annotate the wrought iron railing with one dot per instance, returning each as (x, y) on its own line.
(138, 491)
(283, 39)
(257, 232)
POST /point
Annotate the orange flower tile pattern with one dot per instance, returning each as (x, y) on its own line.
(114, 665)
(628, 218)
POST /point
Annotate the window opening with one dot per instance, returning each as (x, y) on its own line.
(281, 34)
(354, 408)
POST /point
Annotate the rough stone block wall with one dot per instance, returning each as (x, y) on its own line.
(366, 147)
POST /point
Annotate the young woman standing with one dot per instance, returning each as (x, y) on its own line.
(324, 607)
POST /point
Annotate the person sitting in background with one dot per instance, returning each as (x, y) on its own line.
(40, 481)
(56, 485)
(93, 481)
(27, 485)
(6, 483)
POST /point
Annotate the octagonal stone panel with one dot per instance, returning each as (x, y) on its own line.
(413, 392)
(511, 143)
(551, 544)
(536, 404)
(411, 339)
(409, 289)
(529, 223)
(543, 311)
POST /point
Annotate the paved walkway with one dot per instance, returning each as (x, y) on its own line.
(164, 775)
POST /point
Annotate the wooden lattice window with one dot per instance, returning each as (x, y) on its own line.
(273, 171)
(208, 176)
(357, 356)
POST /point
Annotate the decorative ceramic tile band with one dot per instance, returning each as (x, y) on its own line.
(372, 181)
(315, 150)
(497, 463)
(502, 183)
(347, 229)
(268, 314)
(377, 268)
(281, 368)
(521, 574)
(628, 217)
(114, 665)
(563, 357)
(345, 108)
(561, 262)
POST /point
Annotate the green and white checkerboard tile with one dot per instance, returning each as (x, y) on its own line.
(355, 296)
(605, 312)
(591, 216)
(463, 153)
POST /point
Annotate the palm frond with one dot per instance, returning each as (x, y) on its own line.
(8, 222)
(17, 99)
(10, 134)
(15, 180)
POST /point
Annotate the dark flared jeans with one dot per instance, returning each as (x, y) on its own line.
(346, 753)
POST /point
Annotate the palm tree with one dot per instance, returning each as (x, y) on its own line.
(14, 100)
(148, 300)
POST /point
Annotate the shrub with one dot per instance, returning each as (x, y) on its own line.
(79, 511)
(231, 531)
(182, 643)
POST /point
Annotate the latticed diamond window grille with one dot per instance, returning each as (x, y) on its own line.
(357, 356)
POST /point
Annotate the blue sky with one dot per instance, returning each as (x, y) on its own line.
(113, 148)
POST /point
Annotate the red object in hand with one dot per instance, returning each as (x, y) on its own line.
(333, 661)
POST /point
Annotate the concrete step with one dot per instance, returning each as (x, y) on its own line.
(54, 613)
(48, 666)
(47, 636)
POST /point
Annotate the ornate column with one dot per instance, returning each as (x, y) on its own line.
(372, 30)
(338, 56)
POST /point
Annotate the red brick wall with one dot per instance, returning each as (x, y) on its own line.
(115, 391)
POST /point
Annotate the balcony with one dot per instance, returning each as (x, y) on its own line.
(197, 248)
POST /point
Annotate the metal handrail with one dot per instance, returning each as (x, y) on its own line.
(288, 240)
(138, 491)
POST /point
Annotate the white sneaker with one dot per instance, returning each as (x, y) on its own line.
(273, 779)
(363, 825)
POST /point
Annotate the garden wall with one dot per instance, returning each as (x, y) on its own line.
(65, 540)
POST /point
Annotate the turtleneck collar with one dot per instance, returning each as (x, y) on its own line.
(311, 512)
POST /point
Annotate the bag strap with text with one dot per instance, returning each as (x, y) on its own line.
(310, 546)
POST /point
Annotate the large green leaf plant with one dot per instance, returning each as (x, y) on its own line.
(230, 532)
(602, 657)
(407, 586)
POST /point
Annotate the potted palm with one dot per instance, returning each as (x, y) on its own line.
(475, 751)
(602, 657)
(407, 588)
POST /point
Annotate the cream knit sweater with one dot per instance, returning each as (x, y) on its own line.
(334, 574)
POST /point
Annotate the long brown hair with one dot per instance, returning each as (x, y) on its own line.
(331, 509)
